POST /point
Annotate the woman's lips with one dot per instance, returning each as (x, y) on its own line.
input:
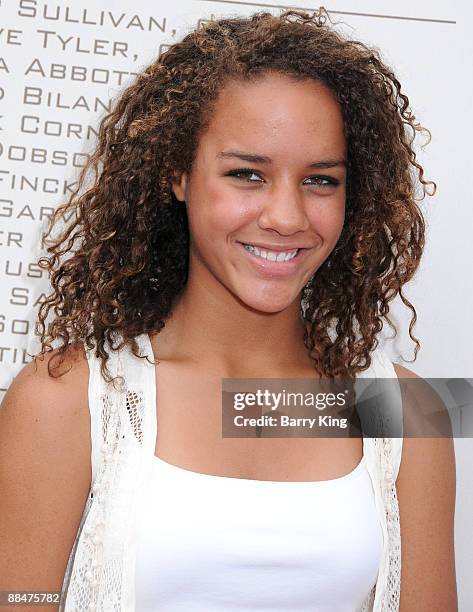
(275, 269)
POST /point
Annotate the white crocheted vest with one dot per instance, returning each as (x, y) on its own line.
(100, 573)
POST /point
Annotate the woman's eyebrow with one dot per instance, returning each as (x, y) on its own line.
(264, 159)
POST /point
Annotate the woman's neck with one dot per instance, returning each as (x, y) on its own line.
(231, 337)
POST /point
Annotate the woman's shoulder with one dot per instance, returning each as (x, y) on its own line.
(403, 372)
(47, 394)
(45, 420)
(48, 415)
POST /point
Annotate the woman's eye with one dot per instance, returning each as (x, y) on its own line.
(246, 173)
(324, 181)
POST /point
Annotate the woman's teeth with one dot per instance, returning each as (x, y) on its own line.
(271, 255)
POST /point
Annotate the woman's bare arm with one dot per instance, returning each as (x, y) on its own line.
(426, 492)
(45, 474)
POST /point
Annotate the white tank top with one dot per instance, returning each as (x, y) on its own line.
(221, 544)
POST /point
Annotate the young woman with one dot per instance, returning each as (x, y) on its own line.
(252, 215)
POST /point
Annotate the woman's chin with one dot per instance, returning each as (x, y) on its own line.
(269, 302)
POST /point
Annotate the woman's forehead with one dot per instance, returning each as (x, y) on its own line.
(277, 113)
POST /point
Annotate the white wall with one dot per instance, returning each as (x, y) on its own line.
(429, 43)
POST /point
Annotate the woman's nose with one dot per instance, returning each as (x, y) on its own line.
(284, 210)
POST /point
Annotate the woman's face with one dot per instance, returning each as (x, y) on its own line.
(288, 137)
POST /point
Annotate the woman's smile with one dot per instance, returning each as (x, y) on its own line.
(264, 263)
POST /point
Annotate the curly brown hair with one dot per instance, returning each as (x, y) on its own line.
(118, 267)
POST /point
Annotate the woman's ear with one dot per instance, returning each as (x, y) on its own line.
(179, 184)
